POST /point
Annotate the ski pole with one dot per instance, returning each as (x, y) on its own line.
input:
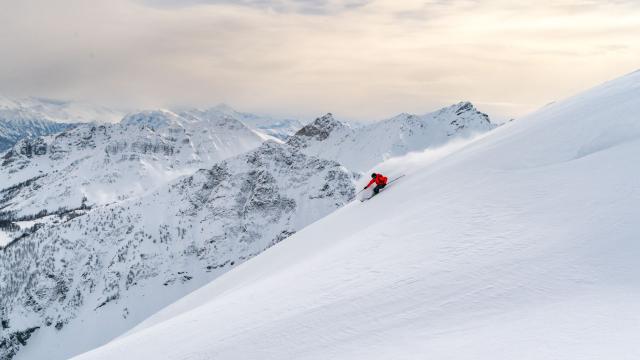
(396, 178)
(356, 195)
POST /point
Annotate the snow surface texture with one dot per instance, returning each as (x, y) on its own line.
(521, 245)
(360, 148)
(124, 244)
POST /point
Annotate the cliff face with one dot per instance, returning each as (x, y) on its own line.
(107, 262)
(110, 223)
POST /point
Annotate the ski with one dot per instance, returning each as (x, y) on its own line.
(381, 190)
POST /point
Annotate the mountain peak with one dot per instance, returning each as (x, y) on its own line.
(465, 106)
(463, 109)
(321, 127)
(327, 119)
(459, 108)
(223, 108)
(152, 118)
(13, 129)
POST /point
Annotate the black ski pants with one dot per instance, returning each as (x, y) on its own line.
(376, 189)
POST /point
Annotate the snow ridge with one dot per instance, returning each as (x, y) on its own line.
(32, 117)
(360, 148)
(523, 244)
(13, 129)
(278, 128)
(112, 222)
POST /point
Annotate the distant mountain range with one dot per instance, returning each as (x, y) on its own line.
(361, 147)
(33, 117)
(523, 243)
(278, 128)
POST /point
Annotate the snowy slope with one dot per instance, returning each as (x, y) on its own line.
(361, 147)
(83, 207)
(521, 245)
(111, 268)
(68, 201)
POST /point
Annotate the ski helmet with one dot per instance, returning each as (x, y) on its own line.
(374, 175)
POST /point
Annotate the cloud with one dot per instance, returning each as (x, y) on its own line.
(358, 59)
(317, 7)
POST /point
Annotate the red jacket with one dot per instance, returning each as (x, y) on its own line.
(379, 180)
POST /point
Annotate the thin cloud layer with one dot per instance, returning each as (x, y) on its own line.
(319, 7)
(359, 59)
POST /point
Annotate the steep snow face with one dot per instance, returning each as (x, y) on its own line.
(92, 165)
(89, 198)
(74, 285)
(360, 148)
(33, 117)
(523, 244)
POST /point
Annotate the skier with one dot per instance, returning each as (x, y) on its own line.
(380, 180)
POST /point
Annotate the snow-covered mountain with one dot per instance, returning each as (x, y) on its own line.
(13, 130)
(118, 221)
(34, 117)
(117, 264)
(360, 148)
(524, 244)
(211, 135)
(58, 110)
(91, 165)
(278, 128)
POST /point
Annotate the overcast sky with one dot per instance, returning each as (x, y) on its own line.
(360, 59)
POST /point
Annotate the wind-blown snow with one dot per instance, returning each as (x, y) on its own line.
(105, 228)
(521, 245)
(359, 148)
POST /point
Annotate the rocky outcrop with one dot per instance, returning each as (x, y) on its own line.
(107, 163)
(318, 130)
(124, 219)
(164, 244)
